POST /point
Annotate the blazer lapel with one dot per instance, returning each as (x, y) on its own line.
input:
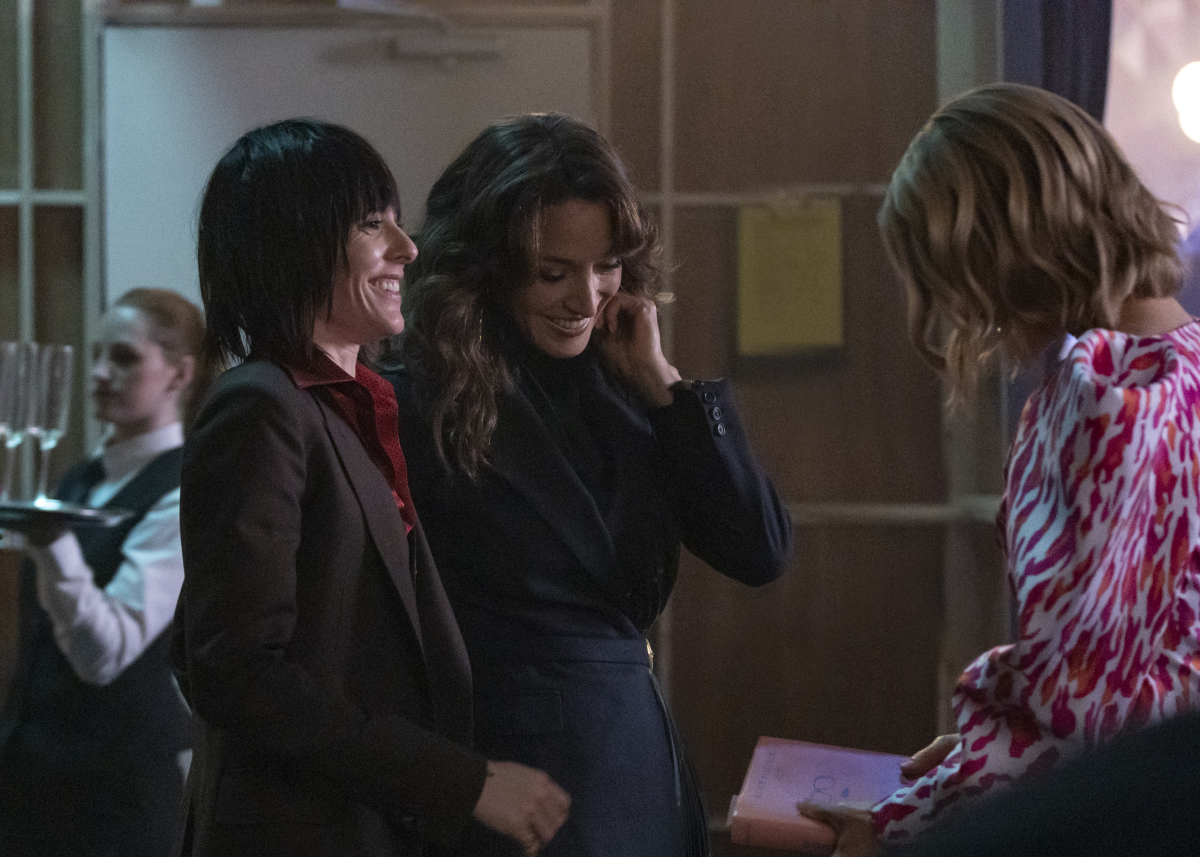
(524, 454)
(383, 519)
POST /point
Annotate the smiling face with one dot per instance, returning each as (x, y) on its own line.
(575, 275)
(134, 386)
(366, 289)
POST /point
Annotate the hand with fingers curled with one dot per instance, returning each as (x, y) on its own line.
(854, 829)
(632, 347)
(522, 803)
(927, 758)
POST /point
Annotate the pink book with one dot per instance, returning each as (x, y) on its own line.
(783, 772)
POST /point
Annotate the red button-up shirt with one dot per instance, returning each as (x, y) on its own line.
(368, 405)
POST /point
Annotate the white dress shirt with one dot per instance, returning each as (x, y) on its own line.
(102, 631)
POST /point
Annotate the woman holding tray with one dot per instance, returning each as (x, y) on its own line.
(1012, 220)
(94, 737)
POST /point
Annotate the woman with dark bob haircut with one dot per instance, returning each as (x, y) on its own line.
(1013, 219)
(313, 640)
(559, 460)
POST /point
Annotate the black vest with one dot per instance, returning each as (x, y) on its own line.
(52, 715)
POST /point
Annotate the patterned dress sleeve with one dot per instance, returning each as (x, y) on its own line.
(1102, 535)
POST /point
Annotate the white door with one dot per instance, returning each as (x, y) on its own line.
(175, 98)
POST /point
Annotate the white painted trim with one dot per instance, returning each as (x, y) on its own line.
(25, 214)
(43, 197)
(117, 14)
(549, 16)
(93, 221)
(25, 325)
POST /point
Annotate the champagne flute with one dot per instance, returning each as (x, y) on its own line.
(53, 404)
(17, 361)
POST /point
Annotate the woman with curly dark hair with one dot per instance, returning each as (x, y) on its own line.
(559, 460)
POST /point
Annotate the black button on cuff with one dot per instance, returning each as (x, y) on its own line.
(716, 413)
(719, 429)
(710, 397)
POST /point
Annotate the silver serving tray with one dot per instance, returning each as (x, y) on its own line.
(50, 513)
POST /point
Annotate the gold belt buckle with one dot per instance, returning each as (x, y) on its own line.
(650, 654)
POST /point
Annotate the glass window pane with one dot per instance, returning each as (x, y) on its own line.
(57, 96)
(58, 309)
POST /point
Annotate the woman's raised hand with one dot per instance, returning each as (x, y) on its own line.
(631, 345)
(523, 803)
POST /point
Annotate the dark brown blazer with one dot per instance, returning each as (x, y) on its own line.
(330, 687)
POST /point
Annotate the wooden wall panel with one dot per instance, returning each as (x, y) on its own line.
(864, 426)
(636, 72)
(779, 91)
(841, 650)
(844, 648)
(58, 311)
(58, 96)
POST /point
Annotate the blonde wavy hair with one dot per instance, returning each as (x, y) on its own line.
(1013, 218)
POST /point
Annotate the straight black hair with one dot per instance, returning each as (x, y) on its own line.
(274, 220)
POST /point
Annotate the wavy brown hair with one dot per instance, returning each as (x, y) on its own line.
(480, 243)
(1014, 217)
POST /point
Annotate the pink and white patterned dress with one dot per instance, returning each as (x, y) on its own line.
(1101, 521)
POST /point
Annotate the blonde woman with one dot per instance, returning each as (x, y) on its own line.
(1013, 219)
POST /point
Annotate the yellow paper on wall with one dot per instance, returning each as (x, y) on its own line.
(790, 277)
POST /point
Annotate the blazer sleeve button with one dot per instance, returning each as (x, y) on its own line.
(710, 397)
(719, 429)
(716, 413)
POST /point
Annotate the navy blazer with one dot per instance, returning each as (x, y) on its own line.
(313, 640)
(553, 591)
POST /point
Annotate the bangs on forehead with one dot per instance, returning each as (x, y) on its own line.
(366, 183)
(373, 192)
